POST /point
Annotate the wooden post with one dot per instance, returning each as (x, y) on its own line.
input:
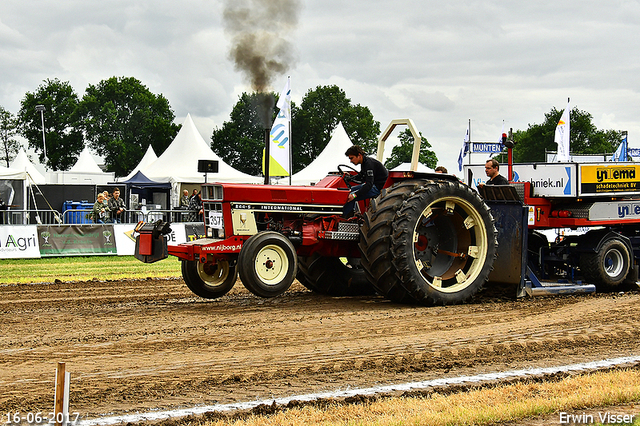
(59, 398)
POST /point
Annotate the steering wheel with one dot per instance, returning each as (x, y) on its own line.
(345, 175)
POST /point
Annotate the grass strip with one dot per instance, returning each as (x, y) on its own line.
(486, 406)
(83, 268)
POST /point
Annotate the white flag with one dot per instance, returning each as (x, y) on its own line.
(563, 132)
(280, 137)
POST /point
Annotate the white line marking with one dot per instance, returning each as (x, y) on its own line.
(159, 415)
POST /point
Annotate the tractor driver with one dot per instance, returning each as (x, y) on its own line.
(372, 173)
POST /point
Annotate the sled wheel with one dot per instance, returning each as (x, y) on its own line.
(334, 276)
(444, 243)
(375, 240)
(608, 267)
(268, 264)
(209, 280)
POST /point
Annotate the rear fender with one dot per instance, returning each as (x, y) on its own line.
(593, 240)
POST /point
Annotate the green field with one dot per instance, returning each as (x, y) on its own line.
(83, 268)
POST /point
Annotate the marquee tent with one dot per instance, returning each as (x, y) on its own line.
(12, 186)
(148, 158)
(153, 193)
(22, 162)
(140, 181)
(405, 167)
(328, 160)
(11, 173)
(86, 170)
(179, 162)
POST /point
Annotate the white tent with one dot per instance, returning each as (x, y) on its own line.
(86, 170)
(331, 156)
(22, 162)
(11, 173)
(405, 167)
(13, 190)
(179, 162)
(85, 163)
(148, 158)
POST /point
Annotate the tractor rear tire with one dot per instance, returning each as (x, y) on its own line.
(268, 264)
(375, 240)
(444, 243)
(428, 242)
(209, 280)
(607, 268)
(303, 279)
(334, 276)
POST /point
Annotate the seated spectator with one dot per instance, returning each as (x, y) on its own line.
(99, 212)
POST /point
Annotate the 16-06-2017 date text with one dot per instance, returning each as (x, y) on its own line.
(41, 418)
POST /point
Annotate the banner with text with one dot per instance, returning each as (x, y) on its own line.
(76, 240)
(19, 242)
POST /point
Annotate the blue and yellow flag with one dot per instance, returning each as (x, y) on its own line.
(280, 137)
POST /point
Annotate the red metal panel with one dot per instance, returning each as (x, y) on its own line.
(285, 194)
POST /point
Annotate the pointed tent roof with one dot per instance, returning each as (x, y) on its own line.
(86, 163)
(22, 162)
(139, 180)
(405, 167)
(179, 162)
(148, 158)
(328, 160)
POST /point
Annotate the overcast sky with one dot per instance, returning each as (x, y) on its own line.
(438, 63)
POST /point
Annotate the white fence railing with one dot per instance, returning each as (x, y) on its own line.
(81, 216)
(30, 217)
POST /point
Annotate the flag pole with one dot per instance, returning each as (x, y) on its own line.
(290, 140)
(469, 161)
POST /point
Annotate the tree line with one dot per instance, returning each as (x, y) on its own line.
(119, 118)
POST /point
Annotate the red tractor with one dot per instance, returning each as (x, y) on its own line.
(427, 238)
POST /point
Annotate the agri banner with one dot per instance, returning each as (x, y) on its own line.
(18, 242)
(59, 240)
(126, 241)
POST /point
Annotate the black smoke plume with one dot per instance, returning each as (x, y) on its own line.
(259, 31)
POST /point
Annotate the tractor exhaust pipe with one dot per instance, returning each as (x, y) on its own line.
(266, 102)
(267, 156)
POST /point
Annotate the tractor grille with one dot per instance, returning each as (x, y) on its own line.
(213, 193)
(349, 231)
(348, 227)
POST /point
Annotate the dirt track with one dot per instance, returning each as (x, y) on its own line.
(138, 345)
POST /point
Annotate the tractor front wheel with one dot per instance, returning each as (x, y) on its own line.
(268, 264)
(209, 280)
